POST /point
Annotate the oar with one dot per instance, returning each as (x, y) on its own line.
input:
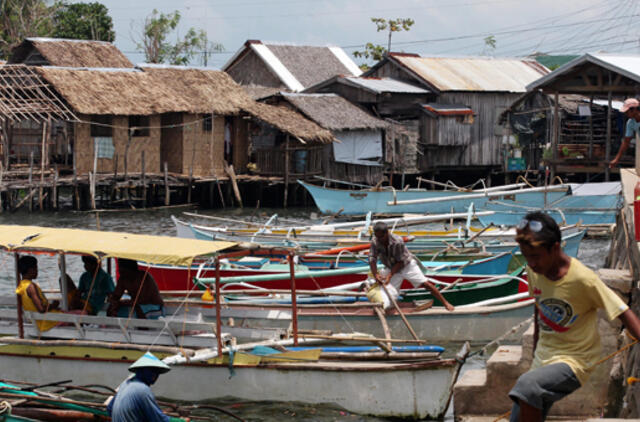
(404, 318)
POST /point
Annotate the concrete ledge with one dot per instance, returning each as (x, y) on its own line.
(620, 280)
(505, 364)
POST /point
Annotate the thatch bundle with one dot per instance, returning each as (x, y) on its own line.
(290, 121)
(72, 53)
(333, 112)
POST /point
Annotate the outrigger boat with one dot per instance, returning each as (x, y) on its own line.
(415, 387)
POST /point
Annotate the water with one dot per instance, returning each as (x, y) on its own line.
(592, 252)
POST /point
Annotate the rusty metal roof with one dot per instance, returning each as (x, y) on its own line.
(473, 73)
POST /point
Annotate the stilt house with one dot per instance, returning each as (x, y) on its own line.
(358, 155)
(486, 86)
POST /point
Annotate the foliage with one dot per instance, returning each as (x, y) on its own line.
(157, 49)
(84, 21)
(489, 44)
(20, 19)
(377, 52)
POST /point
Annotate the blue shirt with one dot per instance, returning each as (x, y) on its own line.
(135, 402)
(101, 288)
(633, 127)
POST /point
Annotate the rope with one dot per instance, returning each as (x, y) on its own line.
(524, 180)
(5, 408)
(503, 416)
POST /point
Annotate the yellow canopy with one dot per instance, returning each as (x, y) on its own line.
(147, 248)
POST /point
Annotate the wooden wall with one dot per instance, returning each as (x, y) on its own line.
(444, 130)
(171, 142)
(249, 69)
(349, 172)
(84, 147)
(240, 142)
(485, 147)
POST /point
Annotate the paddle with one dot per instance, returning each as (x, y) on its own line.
(404, 318)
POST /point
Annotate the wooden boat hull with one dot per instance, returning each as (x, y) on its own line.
(416, 390)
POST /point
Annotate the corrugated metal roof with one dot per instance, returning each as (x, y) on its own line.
(380, 85)
(627, 65)
(473, 74)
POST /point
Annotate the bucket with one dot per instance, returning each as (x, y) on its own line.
(300, 160)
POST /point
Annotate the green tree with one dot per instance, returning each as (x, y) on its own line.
(157, 49)
(377, 52)
(84, 21)
(20, 19)
(489, 44)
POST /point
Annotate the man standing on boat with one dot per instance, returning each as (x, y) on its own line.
(401, 263)
(567, 298)
(135, 400)
(631, 109)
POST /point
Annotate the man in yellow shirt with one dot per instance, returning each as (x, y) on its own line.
(566, 341)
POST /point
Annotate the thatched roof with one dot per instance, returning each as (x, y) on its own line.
(296, 66)
(333, 112)
(259, 91)
(69, 53)
(290, 121)
(148, 91)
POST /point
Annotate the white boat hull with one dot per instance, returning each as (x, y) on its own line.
(410, 390)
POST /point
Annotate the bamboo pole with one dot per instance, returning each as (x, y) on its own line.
(294, 303)
(556, 133)
(144, 181)
(1, 187)
(55, 188)
(286, 172)
(218, 309)
(62, 263)
(404, 318)
(42, 158)
(607, 151)
(18, 298)
(234, 184)
(167, 193)
(31, 191)
(76, 194)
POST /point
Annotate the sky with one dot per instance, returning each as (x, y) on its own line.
(442, 27)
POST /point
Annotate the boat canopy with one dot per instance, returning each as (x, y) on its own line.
(151, 249)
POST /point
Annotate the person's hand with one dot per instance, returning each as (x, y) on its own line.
(55, 304)
(614, 162)
(388, 278)
(379, 278)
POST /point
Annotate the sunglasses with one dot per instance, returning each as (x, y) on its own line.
(534, 225)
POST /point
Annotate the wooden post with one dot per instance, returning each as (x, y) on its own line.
(114, 184)
(76, 194)
(234, 184)
(167, 193)
(294, 302)
(556, 130)
(1, 187)
(219, 193)
(218, 309)
(92, 189)
(31, 181)
(607, 148)
(591, 128)
(62, 263)
(42, 159)
(55, 188)
(144, 181)
(286, 172)
(18, 298)
(126, 162)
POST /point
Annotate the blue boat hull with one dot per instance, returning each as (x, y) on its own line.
(359, 202)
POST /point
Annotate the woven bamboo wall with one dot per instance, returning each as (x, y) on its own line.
(84, 147)
(240, 142)
(172, 135)
(209, 146)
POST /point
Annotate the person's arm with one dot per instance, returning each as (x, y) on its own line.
(114, 299)
(151, 410)
(394, 270)
(631, 323)
(625, 144)
(35, 298)
(373, 262)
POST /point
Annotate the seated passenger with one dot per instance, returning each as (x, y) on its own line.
(95, 285)
(141, 287)
(32, 297)
(74, 301)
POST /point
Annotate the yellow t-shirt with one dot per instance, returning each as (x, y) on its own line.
(568, 317)
(28, 305)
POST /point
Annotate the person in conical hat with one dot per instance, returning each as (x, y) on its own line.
(135, 400)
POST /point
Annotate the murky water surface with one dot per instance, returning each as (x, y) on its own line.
(592, 252)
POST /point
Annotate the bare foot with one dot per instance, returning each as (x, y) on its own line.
(449, 307)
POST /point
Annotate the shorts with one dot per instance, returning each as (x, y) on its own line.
(542, 387)
(410, 272)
